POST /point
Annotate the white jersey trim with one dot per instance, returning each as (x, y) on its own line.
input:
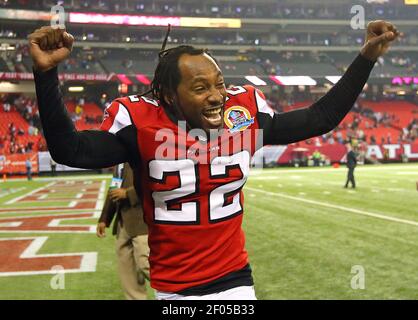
(237, 293)
(262, 105)
(121, 120)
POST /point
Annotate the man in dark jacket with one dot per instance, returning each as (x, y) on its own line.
(351, 164)
(131, 232)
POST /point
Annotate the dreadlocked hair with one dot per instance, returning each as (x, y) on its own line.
(167, 74)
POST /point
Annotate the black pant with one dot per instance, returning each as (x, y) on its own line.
(350, 177)
(29, 173)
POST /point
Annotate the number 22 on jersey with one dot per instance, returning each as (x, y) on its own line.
(189, 182)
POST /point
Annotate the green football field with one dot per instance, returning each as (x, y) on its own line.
(307, 236)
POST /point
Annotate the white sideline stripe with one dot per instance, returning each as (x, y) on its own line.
(100, 199)
(88, 259)
(29, 193)
(44, 196)
(102, 190)
(324, 204)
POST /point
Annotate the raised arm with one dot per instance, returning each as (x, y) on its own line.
(82, 149)
(325, 114)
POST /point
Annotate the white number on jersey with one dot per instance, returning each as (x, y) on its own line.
(219, 169)
(186, 170)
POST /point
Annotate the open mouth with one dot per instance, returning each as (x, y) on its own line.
(213, 116)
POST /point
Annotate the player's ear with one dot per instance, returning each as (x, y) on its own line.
(169, 99)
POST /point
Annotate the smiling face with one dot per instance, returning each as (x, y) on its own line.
(201, 92)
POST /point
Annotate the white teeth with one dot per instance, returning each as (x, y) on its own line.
(213, 111)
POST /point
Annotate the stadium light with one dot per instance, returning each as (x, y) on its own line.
(122, 19)
(293, 80)
(256, 80)
(333, 79)
(140, 20)
(75, 89)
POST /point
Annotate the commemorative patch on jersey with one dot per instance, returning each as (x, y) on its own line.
(238, 118)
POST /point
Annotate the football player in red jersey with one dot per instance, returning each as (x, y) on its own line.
(191, 184)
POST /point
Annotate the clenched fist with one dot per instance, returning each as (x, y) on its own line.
(48, 47)
(379, 36)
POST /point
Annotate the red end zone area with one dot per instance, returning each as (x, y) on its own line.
(29, 220)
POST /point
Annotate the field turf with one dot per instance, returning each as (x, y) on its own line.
(307, 236)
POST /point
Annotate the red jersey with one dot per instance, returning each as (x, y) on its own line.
(191, 190)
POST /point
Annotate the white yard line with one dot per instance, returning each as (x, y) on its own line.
(29, 193)
(329, 205)
(72, 204)
(11, 191)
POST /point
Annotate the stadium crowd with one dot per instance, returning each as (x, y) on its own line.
(357, 129)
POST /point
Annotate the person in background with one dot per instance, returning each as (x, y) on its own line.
(53, 165)
(317, 158)
(28, 164)
(131, 232)
(351, 164)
